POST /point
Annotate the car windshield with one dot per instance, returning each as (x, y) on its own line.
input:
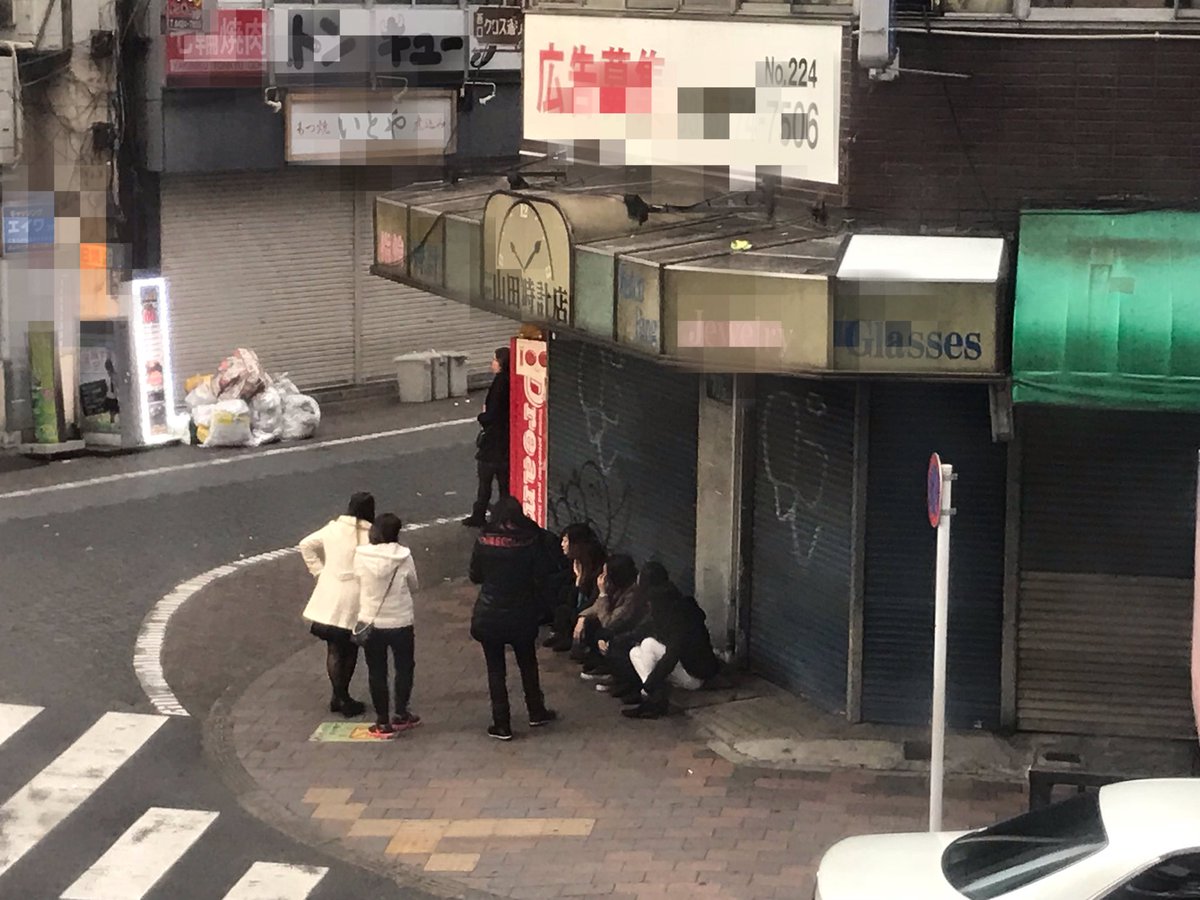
(992, 862)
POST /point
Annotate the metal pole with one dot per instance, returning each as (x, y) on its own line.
(937, 755)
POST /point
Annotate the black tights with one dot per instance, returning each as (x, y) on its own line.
(341, 658)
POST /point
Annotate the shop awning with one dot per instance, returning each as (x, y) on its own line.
(1108, 310)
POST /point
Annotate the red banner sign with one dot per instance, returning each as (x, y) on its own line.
(233, 55)
(527, 458)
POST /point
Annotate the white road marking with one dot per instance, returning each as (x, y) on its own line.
(231, 460)
(277, 881)
(13, 718)
(142, 855)
(60, 788)
(147, 653)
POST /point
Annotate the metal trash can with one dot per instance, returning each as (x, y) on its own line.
(456, 371)
(414, 376)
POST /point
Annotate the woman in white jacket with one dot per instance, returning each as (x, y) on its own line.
(387, 578)
(329, 555)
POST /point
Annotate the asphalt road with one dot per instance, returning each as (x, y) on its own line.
(79, 570)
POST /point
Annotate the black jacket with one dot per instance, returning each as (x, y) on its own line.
(492, 444)
(679, 623)
(510, 567)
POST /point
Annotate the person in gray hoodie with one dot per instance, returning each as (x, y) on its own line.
(387, 578)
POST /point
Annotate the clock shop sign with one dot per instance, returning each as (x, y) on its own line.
(527, 259)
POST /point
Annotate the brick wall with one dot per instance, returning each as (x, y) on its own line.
(1043, 122)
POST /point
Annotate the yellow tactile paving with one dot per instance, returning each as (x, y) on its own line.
(328, 795)
(452, 862)
(339, 811)
(376, 827)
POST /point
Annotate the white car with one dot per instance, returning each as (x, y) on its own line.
(1135, 840)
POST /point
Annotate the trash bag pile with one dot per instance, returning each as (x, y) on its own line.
(242, 406)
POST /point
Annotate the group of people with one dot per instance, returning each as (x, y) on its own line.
(634, 634)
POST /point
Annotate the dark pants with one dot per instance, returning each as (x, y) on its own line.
(401, 643)
(526, 653)
(487, 471)
(618, 663)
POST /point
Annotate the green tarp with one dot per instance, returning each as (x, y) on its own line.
(1107, 310)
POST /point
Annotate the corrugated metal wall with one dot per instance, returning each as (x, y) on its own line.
(909, 422)
(622, 453)
(1107, 545)
(803, 494)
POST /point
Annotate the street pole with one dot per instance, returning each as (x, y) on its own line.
(941, 614)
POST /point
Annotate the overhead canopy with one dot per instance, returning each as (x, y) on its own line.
(1108, 310)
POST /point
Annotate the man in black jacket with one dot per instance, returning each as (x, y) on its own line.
(491, 452)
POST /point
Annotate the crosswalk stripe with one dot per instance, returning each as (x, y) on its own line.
(13, 718)
(60, 788)
(277, 881)
(142, 855)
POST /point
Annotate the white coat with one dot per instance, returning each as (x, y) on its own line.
(375, 565)
(334, 600)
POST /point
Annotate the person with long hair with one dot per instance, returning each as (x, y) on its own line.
(333, 607)
(387, 578)
(509, 563)
(619, 610)
(586, 555)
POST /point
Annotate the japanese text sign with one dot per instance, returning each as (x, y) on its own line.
(28, 220)
(234, 54)
(348, 127)
(666, 92)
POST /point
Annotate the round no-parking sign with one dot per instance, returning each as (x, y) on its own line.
(933, 490)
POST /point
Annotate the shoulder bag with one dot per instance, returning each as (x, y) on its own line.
(364, 630)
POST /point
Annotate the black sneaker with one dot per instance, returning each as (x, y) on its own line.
(350, 709)
(544, 719)
(585, 675)
(474, 522)
(645, 711)
(500, 734)
(551, 641)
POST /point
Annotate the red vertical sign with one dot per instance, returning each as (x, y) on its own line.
(527, 454)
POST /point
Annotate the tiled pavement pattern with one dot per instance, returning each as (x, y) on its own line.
(593, 806)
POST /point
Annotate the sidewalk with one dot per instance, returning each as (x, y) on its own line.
(594, 806)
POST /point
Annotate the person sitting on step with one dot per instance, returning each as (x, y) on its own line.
(619, 610)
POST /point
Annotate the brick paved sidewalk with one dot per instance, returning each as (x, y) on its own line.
(593, 806)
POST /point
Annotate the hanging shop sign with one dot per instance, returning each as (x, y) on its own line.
(527, 424)
(28, 220)
(496, 33)
(713, 93)
(368, 127)
(232, 54)
(526, 259)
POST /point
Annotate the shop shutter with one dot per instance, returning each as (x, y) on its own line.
(1107, 550)
(908, 422)
(622, 453)
(399, 319)
(263, 261)
(803, 490)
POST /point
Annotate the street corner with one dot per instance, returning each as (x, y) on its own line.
(592, 806)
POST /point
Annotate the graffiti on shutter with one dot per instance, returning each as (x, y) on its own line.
(795, 464)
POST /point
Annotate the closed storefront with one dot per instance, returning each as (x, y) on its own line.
(803, 492)
(622, 453)
(280, 262)
(908, 422)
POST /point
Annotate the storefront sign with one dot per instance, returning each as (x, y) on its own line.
(391, 230)
(527, 425)
(527, 260)
(713, 93)
(100, 361)
(28, 220)
(363, 127)
(496, 35)
(184, 16)
(937, 332)
(639, 306)
(154, 378)
(232, 55)
(345, 45)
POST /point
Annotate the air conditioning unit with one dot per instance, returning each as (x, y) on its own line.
(38, 22)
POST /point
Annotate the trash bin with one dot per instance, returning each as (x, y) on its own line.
(414, 377)
(456, 371)
(441, 383)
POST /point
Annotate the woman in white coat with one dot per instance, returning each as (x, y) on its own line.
(332, 610)
(387, 578)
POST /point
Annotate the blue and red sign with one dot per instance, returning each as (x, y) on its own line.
(933, 490)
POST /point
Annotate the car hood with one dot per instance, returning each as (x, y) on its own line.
(887, 867)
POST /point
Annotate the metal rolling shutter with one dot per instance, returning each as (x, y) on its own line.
(1107, 544)
(803, 490)
(622, 453)
(908, 422)
(398, 319)
(263, 261)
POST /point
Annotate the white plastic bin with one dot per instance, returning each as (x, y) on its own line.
(441, 383)
(414, 376)
(456, 372)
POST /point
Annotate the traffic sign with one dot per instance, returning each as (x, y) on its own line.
(933, 490)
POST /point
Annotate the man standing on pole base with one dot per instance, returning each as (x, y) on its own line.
(492, 444)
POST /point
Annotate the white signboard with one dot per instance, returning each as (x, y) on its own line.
(687, 93)
(357, 127)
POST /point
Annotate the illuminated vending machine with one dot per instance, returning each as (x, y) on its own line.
(126, 383)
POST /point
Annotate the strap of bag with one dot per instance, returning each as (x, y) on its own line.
(386, 591)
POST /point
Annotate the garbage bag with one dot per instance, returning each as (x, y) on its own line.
(266, 411)
(202, 418)
(194, 382)
(240, 377)
(301, 416)
(285, 385)
(230, 425)
(202, 394)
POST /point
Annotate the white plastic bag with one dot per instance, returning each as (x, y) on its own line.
(266, 413)
(301, 416)
(285, 385)
(202, 395)
(240, 377)
(229, 425)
